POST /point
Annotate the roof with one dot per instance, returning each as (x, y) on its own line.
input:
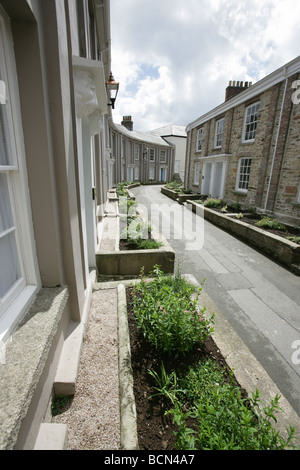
(147, 138)
(170, 130)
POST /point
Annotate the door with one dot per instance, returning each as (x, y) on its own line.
(205, 188)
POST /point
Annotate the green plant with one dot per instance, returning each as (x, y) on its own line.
(223, 419)
(295, 239)
(59, 403)
(148, 245)
(166, 384)
(167, 315)
(236, 207)
(224, 208)
(239, 216)
(211, 202)
(270, 223)
(174, 185)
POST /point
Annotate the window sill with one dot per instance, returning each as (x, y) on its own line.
(240, 193)
(24, 360)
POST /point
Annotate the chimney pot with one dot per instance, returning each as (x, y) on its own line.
(127, 122)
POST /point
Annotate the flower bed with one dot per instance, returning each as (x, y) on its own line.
(139, 245)
(265, 236)
(186, 396)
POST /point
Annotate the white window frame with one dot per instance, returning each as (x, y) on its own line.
(130, 174)
(197, 174)
(137, 151)
(151, 155)
(151, 173)
(250, 122)
(199, 139)
(123, 148)
(17, 300)
(163, 156)
(136, 173)
(219, 133)
(243, 174)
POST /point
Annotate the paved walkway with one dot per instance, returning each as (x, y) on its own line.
(259, 298)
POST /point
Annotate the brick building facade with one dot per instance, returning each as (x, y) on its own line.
(247, 150)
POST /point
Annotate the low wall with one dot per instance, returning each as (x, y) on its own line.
(179, 197)
(128, 263)
(282, 250)
(116, 264)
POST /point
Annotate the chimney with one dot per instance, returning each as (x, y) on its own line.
(235, 87)
(127, 122)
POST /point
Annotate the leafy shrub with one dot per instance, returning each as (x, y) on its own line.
(223, 419)
(211, 202)
(174, 185)
(295, 239)
(270, 223)
(167, 315)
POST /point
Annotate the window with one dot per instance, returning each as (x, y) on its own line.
(163, 156)
(199, 139)
(251, 118)
(197, 174)
(219, 133)
(151, 173)
(136, 173)
(152, 155)
(123, 148)
(129, 173)
(136, 152)
(243, 174)
(18, 275)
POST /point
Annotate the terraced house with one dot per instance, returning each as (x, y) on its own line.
(54, 175)
(247, 149)
(139, 156)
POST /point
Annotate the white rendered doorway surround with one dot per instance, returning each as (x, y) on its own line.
(214, 176)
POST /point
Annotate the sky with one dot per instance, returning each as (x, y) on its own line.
(175, 58)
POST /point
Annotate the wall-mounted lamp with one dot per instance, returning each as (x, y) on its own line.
(112, 90)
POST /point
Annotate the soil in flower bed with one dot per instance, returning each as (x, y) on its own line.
(251, 219)
(155, 430)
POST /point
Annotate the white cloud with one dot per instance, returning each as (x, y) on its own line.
(174, 59)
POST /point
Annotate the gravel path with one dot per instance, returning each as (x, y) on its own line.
(93, 418)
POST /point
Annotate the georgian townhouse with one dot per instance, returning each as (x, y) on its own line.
(139, 156)
(54, 157)
(247, 150)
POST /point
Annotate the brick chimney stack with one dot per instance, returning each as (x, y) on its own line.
(127, 122)
(234, 88)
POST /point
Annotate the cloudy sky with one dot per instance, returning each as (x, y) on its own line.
(174, 58)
